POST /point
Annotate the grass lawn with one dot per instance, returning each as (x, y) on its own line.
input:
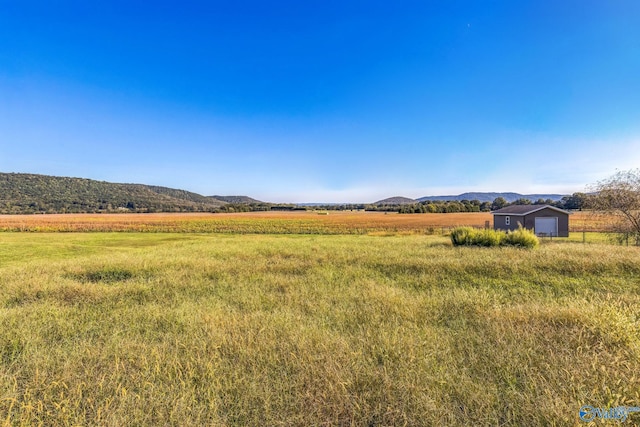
(152, 329)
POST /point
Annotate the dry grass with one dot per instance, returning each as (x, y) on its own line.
(224, 330)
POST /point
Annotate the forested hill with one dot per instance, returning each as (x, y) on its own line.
(397, 200)
(236, 199)
(29, 193)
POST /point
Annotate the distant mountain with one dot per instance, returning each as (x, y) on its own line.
(30, 193)
(316, 204)
(236, 199)
(490, 197)
(397, 200)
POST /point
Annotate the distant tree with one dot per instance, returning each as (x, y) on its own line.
(619, 195)
(454, 207)
(575, 201)
(522, 201)
(498, 203)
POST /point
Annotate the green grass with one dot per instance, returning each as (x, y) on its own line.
(173, 329)
(587, 237)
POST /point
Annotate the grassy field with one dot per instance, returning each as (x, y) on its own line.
(153, 329)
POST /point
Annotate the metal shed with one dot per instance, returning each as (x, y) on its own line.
(544, 220)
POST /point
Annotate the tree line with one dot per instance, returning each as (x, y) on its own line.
(576, 201)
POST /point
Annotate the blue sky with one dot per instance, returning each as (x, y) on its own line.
(322, 101)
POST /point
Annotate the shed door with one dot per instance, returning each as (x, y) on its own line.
(547, 226)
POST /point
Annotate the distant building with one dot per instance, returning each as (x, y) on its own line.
(543, 220)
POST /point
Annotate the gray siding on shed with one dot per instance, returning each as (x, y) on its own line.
(528, 221)
(499, 222)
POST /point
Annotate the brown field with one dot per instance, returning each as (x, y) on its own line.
(310, 222)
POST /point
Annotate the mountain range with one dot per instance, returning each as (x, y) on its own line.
(31, 193)
(490, 197)
(482, 197)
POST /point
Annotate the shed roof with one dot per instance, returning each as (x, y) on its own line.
(521, 210)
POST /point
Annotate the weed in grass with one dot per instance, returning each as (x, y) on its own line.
(105, 275)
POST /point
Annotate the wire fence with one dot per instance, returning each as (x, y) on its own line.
(600, 235)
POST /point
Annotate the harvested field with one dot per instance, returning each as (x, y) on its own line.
(253, 222)
(309, 222)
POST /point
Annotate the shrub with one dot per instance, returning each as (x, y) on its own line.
(461, 236)
(468, 236)
(522, 237)
(488, 237)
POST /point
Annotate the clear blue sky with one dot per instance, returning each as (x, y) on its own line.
(322, 101)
